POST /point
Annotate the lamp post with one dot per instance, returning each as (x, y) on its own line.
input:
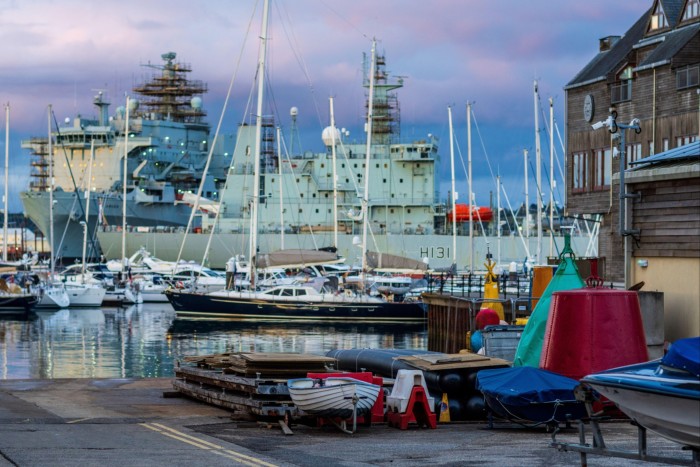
(613, 126)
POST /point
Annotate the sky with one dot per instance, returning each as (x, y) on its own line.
(450, 53)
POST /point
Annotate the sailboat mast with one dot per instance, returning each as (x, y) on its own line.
(256, 159)
(335, 176)
(526, 219)
(538, 171)
(87, 202)
(279, 164)
(498, 218)
(454, 193)
(469, 176)
(126, 153)
(7, 171)
(51, 187)
(551, 177)
(365, 195)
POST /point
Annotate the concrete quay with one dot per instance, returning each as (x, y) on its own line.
(129, 422)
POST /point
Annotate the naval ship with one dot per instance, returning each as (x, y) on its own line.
(166, 141)
(314, 200)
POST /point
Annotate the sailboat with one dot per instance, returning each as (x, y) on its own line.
(52, 294)
(86, 294)
(311, 300)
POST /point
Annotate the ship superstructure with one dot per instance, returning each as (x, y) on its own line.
(405, 213)
(297, 191)
(167, 148)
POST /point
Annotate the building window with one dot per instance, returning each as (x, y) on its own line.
(692, 10)
(580, 175)
(683, 140)
(621, 92)
(602, 169)
(658, 19)
(687, 77)
(633, 153)
(665, 145)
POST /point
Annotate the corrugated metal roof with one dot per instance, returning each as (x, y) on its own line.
(688, 151)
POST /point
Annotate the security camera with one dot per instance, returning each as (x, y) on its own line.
(607, 123)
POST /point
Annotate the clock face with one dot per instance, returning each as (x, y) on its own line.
(588, 107)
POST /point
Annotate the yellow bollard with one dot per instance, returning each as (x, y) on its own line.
(444, 409)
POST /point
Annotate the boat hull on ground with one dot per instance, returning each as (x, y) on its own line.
(333, 397)
(233, 306)
(530, 395)
(660, 399)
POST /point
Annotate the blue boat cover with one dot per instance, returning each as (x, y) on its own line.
(524, 385)
(684, 354)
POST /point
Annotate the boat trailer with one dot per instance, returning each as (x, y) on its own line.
(585, 394)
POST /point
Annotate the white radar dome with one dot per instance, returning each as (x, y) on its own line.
(133, 104)
(294, 111)
(327, 136)
(196, 102)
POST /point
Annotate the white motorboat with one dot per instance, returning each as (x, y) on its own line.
(662, 395)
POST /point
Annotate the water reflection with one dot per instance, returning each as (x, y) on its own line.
(147, 340)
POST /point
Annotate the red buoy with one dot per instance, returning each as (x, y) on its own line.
(591, 330)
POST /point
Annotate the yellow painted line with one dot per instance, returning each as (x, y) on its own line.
(206, 445)
(80, 420)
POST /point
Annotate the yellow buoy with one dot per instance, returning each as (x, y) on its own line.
(491, 291)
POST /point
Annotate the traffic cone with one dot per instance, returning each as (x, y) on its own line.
(444, 409)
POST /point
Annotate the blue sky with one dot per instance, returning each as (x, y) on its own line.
(450, 52)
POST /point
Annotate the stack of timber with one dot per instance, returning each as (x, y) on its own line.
(254, 385)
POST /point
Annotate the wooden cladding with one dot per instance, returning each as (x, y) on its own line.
(668, 216)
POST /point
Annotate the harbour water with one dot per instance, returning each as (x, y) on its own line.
(147, 341)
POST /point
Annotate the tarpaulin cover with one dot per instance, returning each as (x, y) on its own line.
(684, 354)
(525, 385)
(530, 345)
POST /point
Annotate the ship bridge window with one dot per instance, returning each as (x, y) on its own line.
(326, 195)
(377, 165)
(400, 180)
(384, 180)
